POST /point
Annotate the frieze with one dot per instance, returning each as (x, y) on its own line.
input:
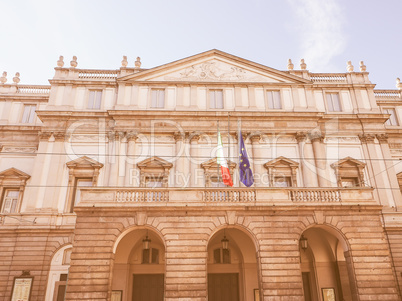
(12, 149)
(216, 71)
(342, 140)
(86, 138)
(395, 145)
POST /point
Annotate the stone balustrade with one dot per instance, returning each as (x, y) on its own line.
(328, 77)
(24, 89)
(387, 95)
(315, 195)
(98, 74)
(221, 196)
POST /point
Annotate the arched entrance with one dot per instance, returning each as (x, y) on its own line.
(325, 266)
(58, 274)
(232, 267)
(139, 267)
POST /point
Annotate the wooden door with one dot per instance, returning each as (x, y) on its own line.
(149, 287)
(223, 287)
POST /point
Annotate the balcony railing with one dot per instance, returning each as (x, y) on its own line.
(98, 74)
(40, 90)
(316, 195)
(387, 94)
(222, 196)
(328, 77)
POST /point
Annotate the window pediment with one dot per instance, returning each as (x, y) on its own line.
(211, 170)
(13, 176)
(348, 162)
(349, 172)
(154, 163)
(282, 172)
(84, 162)
(154, 172)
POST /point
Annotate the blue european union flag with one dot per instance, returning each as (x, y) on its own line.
(246, 175)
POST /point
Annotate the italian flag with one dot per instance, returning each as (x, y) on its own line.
(227, 179)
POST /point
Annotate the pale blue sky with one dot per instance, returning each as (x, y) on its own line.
(327, 33)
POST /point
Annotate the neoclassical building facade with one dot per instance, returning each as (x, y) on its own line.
(110, 188)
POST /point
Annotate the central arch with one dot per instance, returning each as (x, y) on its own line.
(139, 266)
(232, 270)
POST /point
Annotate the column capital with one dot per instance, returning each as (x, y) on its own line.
(367, 138)
(132, 136)
(255, 136)
(60, 136)
(382, 138)
(236, 135)
(194, 136)
(316, 135)
(111, 135)
(179, 136)
(301, 136)
(44, 136)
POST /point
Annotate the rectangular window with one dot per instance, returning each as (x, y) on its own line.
(349, 182)
(333, 102)
(150, 256)
(274, 100)
(215, 182)
(392, 120)
(29, 114)
(154, 183)
(282, 182)
(216, 99)
(79, 184)
(145, 256)
(10, 201)
(95, 99)
(157, 98)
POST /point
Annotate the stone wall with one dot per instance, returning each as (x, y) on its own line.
(274, 230)
(29, 250)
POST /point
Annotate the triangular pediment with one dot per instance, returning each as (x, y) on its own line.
(84, 162)
(154, 162)
(281, 161)
(214, 66)
(348, 162)
(14, 173)
(213, 163)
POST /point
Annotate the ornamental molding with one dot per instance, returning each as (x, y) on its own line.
(216, 71)
(342, 140)
(14, 149)
(87, 138)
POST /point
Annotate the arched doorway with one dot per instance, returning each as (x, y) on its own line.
(58, 274)
(139, 267)
(232, 267)
(325, 266)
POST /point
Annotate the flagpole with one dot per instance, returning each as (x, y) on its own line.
(229, 139)
(238, 144)
(217, 163)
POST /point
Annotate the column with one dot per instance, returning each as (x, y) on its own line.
(377, 171)
(320, 158)
(392, 180)
(121, 159)
(186, 160)
(31, 200)
(180, 176)
(55, 176)
(113, 158)
(306, 159)
(131, 173)
(258, 159)
(195, 176)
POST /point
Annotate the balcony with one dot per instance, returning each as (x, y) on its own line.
(132, 197)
